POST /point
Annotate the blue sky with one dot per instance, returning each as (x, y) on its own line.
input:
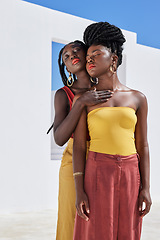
(140, 16)
(56, 79)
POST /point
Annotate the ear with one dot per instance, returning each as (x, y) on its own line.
(114, 58)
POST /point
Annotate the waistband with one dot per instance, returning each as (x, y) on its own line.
(104, 156)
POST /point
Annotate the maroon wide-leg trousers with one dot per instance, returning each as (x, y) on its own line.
(112, 184)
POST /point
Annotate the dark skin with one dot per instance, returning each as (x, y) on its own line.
(99, 60)
(65, 121)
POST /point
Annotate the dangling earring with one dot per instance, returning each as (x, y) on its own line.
(70, 80)
(94, 80)
(112, 70)
(91, 79)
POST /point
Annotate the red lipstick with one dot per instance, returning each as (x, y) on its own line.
(75, 61)
(91, 66)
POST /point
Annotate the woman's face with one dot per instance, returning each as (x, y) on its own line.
(99, 59)
(74, 57)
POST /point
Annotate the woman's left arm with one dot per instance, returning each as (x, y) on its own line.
(143, 151)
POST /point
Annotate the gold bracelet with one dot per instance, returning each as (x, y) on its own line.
(77, 174)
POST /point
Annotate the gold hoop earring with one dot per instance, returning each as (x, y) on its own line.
(95, 80)
(91, 79)
(70, 80)
(112, 70)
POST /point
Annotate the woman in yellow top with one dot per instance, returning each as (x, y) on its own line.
(72, 57)
(112, 186)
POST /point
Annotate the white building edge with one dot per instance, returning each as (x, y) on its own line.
(28, 178)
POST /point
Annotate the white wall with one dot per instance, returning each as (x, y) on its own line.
(143, 74)
(28, 178)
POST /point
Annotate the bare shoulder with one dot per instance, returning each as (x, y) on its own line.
(61, 99)
(140, 98)
(135, 93)
(61, 95)
(138, 94)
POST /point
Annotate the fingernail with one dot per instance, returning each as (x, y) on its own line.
(88, 211)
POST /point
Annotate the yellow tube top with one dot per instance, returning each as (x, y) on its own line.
(112, 129)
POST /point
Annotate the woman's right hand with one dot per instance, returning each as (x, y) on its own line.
(93, 97)
(82, 205)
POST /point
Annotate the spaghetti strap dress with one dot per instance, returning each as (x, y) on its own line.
(66, 196)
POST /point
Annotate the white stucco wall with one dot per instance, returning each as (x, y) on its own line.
(144, 76)
(28, 178)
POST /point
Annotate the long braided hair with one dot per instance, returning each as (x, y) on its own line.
(103, 33)
(62, 67)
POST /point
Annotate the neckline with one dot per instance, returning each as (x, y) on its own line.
(114, 108)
